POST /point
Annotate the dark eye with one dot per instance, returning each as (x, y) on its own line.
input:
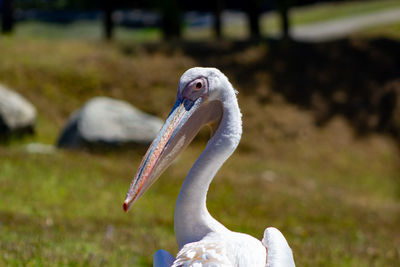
(199, 85)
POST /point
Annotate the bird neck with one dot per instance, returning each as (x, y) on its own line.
(192, 220)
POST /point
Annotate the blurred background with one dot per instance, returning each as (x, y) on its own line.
(319, 89)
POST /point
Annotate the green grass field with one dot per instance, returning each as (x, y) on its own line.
(334, 194)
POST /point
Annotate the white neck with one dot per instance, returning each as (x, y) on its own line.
(192, 220)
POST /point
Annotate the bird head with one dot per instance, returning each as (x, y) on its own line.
(199, 102)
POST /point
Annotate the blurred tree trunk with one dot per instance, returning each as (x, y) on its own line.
(170, 19)
(253, 10)
(7, 16)
(108, 21)
(219, 6)
(283, 9)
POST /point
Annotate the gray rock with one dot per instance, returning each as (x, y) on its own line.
(107, 121)
(16, 113)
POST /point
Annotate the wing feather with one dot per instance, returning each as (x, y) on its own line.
(202, 253)
(279, 254)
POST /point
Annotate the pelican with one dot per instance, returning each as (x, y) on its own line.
(205, 96)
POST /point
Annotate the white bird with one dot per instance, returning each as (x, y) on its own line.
(205, 96)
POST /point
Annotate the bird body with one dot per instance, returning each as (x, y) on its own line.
(223, 249)
(205, 96)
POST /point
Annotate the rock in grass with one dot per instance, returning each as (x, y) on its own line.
(38, 148)
(17, 115)
(104, 121)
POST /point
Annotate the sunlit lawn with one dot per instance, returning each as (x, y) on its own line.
(333, 205)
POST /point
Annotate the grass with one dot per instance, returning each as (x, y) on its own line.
(334, 195)
(391, 31)
(331, 11)
(91, 30)
(323, 12)
(83, 30)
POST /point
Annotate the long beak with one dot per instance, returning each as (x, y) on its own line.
(181, 126)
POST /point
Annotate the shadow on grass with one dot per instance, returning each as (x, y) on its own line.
(358, 79)
(7, 136)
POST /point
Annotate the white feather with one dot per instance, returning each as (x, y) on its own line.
(279, 252)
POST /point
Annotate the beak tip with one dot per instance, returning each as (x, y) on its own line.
(125, 206)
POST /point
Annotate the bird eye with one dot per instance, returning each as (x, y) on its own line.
(199, 85)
